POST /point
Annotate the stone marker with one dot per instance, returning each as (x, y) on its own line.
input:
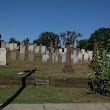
(15, 46)
(45, 57)
(13, 56)
(75, 56)
(63, 57)
(43, 49)
(2, 56)
(55, 57)
(3, 44)
(86, 56)
(22, 56)
(31, 57)
(11, 46)
(37, 49)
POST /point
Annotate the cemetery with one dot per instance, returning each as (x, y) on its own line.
(32, 73)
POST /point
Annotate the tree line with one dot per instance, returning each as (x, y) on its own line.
(101, 37)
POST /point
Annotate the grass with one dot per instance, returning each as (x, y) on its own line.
(46, 93)
(49, 94)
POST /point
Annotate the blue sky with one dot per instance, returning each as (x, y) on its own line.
(29, 18)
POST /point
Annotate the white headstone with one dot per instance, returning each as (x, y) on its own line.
(2, 56)
(37, 49)
(60, 50)
(86, 56)
(55, 57)
(43, 49)
(45, 57)
(75, 56)
(11, 46)
(31, 48)
(3, 44)
(7, 45)
(65, 50)
(22, 49)
(83, 51)
(90, 53)
(15, 45)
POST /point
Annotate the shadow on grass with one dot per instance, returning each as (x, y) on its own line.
(18, 92)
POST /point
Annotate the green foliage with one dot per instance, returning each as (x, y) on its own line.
(101, 81)
(102, 37)
(72, 35)
(46, 37)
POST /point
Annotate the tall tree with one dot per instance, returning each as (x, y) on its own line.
(12, 40)
(100, 37)
(71, 35)
(46, 37)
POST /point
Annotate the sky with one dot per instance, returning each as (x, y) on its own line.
(29, 18)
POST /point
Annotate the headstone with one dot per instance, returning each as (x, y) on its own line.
(3, 44)
(80, 56)
(40, 47)
(31, 48)
(55, 57)
(7, 45)
(86, 56)
(74, 43)
(45, 57)
(43, 49)
(11, 46)
(90, 53)
(22, 49)
(13, 56)
(37, 49)
(75, 56)
(15, 45)
(63, 57)
(83, 51)
(60, 50)
(31, 57)
(2, 56)
(22, 56)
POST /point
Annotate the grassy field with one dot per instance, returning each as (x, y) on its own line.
(46, 93)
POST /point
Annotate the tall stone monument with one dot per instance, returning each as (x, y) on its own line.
(68, 65)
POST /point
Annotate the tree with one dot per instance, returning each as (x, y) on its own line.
(83, 44)
(100, 37)
(46, 37)
(26, 40)
(12, 40)
(71, 35)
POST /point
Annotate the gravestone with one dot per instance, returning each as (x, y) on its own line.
(37, 49)
(55, 57)
(45, 57)
(22, 56)
(15, 45)
(3, 44)
(43, 49)
(60, 50)
(65, 50)
(22, 49)
(13, 56)
(2, 56)
(68, 65)
(40, 47)
(86, 56)
(31, 48)
(7, 45)
(80, 56)
(31, 57)
(74, 43)
(83, 51)
(90, 53)
(75, 56)
(63, 57)
(11, 46)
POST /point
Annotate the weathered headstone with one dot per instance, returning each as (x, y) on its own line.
(83, 51)
(7, 45)
(3, 44)
(11, 46)
(43, 49)
(75, 56)
(74, 43)
(55, 57)
(15, 45)
(31, 48)
(63, 57)
(60, 50)
(2, 56)
(80, 56)
(37, 49)
(22, 49)
(40, 47)
(86, 56)
(45, 57)
(90, 53)
(22, 56)
(31, 57)
(13, 56)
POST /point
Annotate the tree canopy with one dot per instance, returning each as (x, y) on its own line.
(46, 37)
(100, 37)
(71, 35)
